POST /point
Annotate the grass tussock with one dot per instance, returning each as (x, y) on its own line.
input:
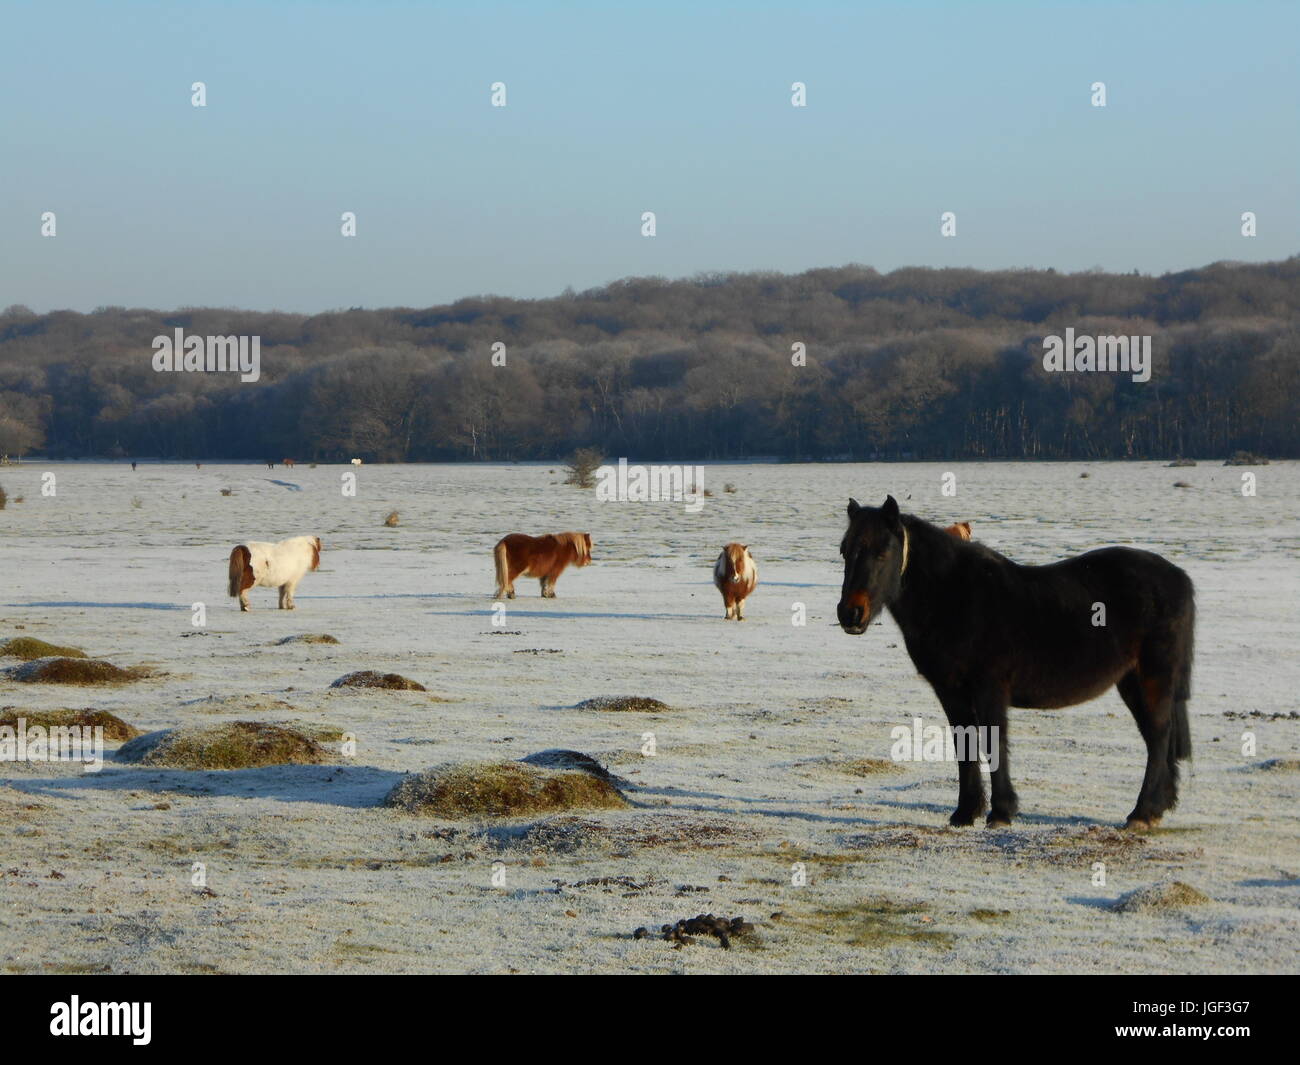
(309, 637)
(232, 745)
(500, 789)
(114, 727)
(29, 647)
(392, 521)
(74, 671)
(640, 704)
(368, 678)
(1159, 898)
(1281, 765)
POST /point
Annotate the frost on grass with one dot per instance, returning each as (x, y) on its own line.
(28, 648)
(368, 678)
(308, 637)
(114, 727)
(73, 671)
(500, 789)
(641, 704)
(1158, 898)
(234, 745)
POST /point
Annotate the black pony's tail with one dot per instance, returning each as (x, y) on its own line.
(1180, 736)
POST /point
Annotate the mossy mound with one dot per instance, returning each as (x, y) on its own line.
(114, 727)
(29, 647)
(1157, 898)
(558, 758)
(640, 704)
(500, 789)
(73, 671)
(309, 637)
(868, 767)
(233, 745)
(368, 678)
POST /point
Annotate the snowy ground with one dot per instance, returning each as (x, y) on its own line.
(754, 770)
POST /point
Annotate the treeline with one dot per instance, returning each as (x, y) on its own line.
(917, 363)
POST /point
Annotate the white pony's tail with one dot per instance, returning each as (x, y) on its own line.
(241, 559)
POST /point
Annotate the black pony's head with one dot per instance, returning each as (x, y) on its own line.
(875, 554)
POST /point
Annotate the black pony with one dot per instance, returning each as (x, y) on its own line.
(988, 633)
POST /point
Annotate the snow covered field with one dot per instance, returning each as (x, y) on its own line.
(757, 773)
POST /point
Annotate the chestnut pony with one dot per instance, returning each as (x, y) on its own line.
(735, 576)
(280, 565)
(543, 557)
(988, 633)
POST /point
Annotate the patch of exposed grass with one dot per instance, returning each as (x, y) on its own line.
(310, 637)
(500, 789)
(28, 648)
(640, 704)
(867, 767)
(1280, 765)
(875, 923)
(990, 915)
(74, 671)
(368, 678)
(233, 745)
(1160, 898)
(114, 727)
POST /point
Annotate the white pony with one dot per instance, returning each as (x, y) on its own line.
(280, 565)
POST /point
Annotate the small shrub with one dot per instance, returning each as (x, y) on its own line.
(310, 637)
(582, 467)
(137, 502)
(4, 497)
(729, 488)
(227, 491)
(1246, 458)
(1155, 898)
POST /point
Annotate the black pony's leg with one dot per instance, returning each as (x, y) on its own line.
(970, 785)
(993, 716)
(1150, 699)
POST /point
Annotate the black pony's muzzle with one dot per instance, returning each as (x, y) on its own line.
(854, 612)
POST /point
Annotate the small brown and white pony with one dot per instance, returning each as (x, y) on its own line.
(961, 530)
(543, 557)
(735, 575)
(287, 463)
(280, 565)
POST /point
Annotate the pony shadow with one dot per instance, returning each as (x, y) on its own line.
(109, 606)
(353, 787)
(286, 484)
(515, 612)
(755, 806)
(1261, 882)
(1032, 819)
(1091, 902)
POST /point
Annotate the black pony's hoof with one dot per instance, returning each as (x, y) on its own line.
(1141, 824)
(998, 821)
(962, 818)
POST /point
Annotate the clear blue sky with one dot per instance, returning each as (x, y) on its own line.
(678, 108)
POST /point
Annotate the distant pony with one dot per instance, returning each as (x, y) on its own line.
(961, 530)
(735, 576)
(288, 463)
(543, 557)
(356, 462)
(280, 565)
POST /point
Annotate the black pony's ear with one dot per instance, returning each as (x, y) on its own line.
(890, 510)
(854, 507)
